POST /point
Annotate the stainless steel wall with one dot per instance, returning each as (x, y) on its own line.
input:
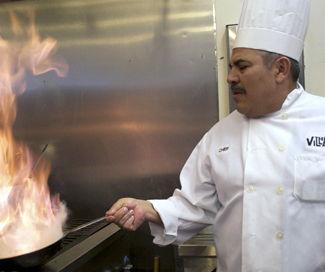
(140, 93)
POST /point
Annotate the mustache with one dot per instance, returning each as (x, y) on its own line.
(237, 88)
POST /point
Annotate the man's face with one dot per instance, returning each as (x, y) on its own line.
(252, 83)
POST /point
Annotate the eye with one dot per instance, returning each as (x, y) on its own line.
(242, 67)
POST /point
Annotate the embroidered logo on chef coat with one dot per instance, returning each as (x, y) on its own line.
(316, 141)
(223, 149)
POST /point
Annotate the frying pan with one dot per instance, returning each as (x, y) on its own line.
(41, 256)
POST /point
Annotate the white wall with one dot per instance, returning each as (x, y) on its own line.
(228, 11)
(315, 49)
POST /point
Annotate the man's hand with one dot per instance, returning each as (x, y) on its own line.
(129, 213)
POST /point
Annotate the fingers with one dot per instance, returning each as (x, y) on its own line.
(129, 224)
(123, 217)
(128, 213)
(123, 202)
(118, 205)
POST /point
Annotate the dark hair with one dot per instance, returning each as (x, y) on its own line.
(269, 58)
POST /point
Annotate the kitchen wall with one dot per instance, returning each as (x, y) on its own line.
(228, 11)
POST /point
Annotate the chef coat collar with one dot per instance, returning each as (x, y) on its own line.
(291, 99)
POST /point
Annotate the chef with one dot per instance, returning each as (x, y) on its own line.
(258, 176)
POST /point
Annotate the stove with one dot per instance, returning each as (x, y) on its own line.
(198, 253)
(81, 247)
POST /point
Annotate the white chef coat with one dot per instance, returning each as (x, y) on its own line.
(261, 183)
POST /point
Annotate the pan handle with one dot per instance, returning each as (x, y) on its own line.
(85, 225)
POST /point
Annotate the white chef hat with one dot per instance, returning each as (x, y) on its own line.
(277, 26)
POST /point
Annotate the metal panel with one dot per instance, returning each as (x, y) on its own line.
(140, 93)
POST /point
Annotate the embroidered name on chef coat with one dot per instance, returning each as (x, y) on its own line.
(223, 149)
(316, 141)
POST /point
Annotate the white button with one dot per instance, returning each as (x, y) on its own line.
(280, 190)
(282, 147)
(279, 236)
(285, 116)
(250, 189)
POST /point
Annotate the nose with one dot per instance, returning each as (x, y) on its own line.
(232, 77)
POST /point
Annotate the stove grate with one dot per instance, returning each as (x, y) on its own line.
(76, 237)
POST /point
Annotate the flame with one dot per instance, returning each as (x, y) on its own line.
(28, 213)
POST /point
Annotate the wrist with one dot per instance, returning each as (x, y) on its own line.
(151, 214)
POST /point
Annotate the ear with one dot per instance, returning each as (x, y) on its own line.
(282, 67)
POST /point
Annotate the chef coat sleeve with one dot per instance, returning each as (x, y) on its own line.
(193, 207)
